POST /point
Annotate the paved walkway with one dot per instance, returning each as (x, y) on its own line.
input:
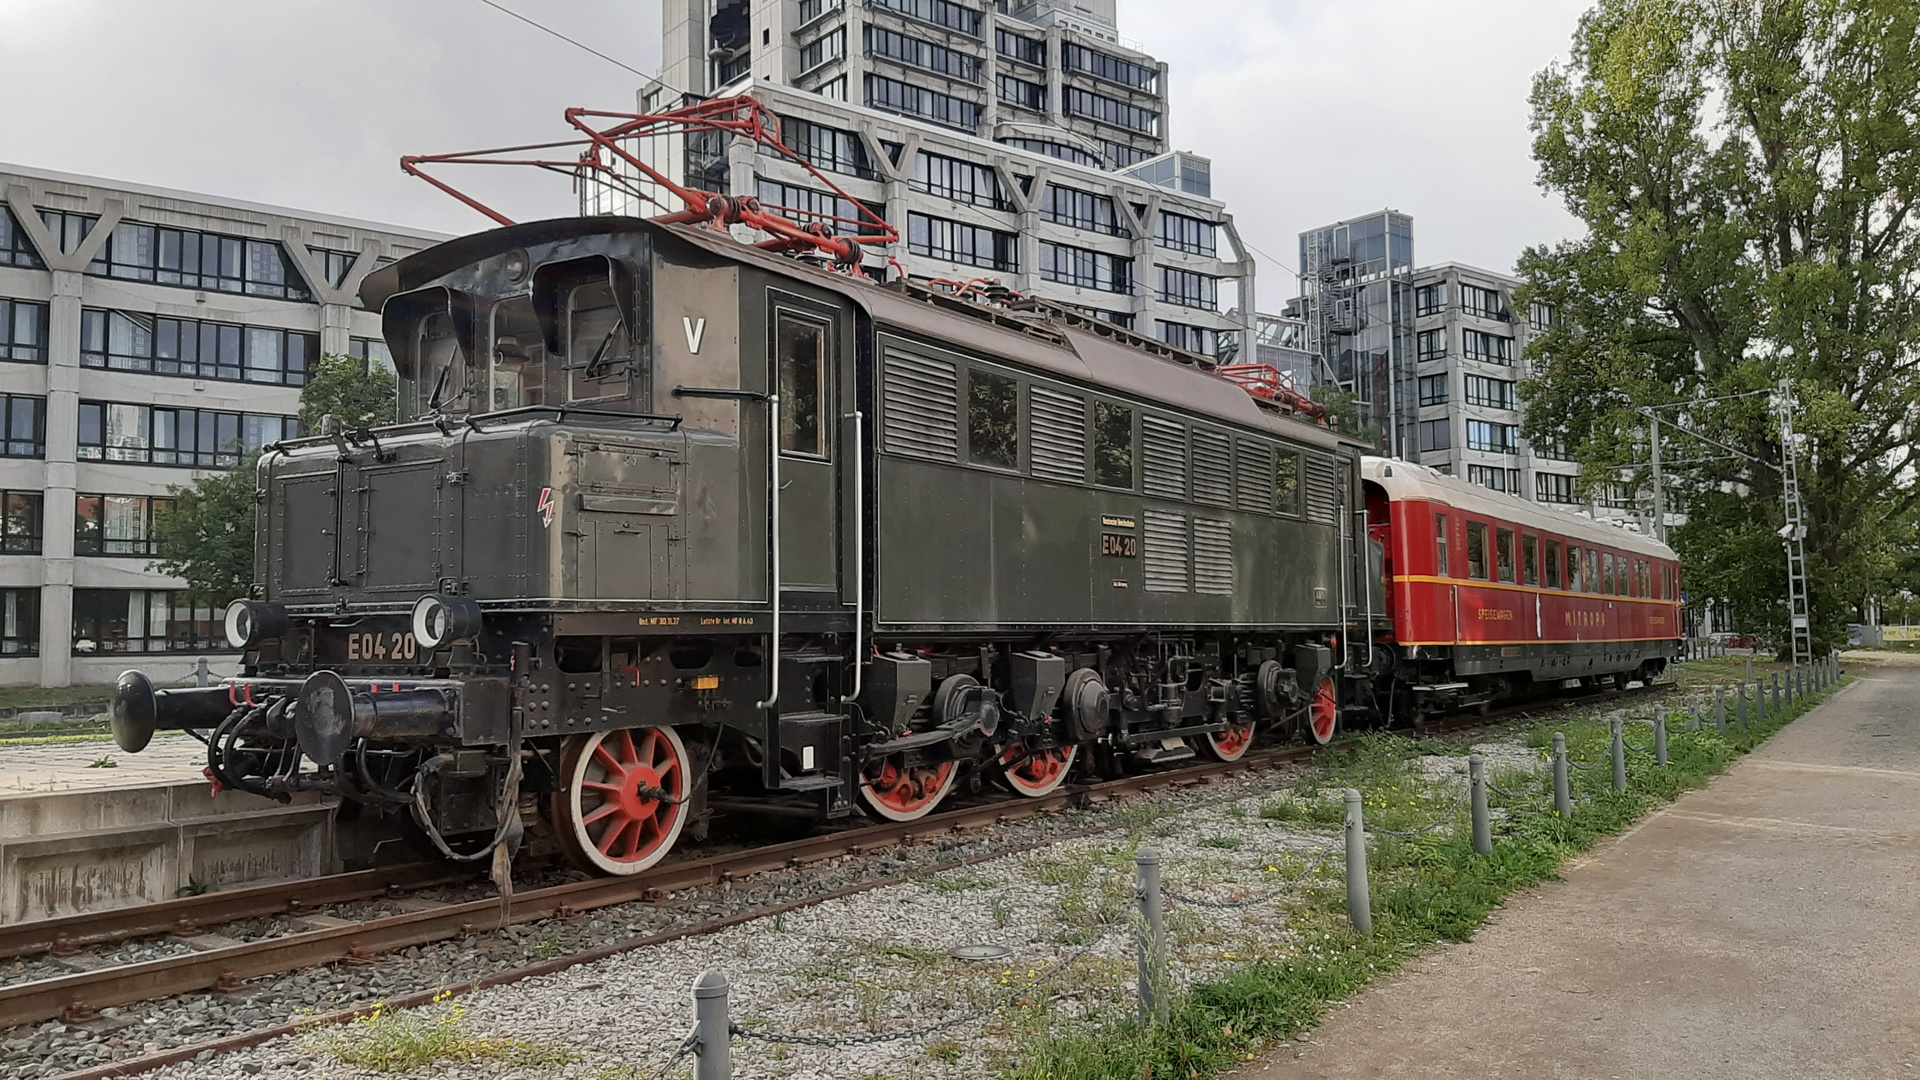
(1765, 926)
(52, 768)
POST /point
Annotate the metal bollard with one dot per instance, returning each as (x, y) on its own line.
(1477, 788)
(200, 675)
(1720, 709)
(1749, 677)
(1619, 754)
(713, 1053)
(1776, 695)
(1359, 899)
(1660, 740)
(1153, 950)
(1562, 792)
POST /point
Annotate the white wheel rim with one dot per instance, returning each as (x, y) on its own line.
(1033, 791)
(590, 772)
(946, 773)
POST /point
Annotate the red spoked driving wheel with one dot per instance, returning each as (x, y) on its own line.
(1231, 744)
(1323, 713)
(623, 805)
(1034, 773)
(899, 790)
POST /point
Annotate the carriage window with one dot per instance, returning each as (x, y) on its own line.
(1440, 545)
(599, 345)
(993, 420)
(518, 356)
(1529, 560)
(1477, 550)
(1112, 445)
(1620, 575)
(801, 348)
(1553, 564)
(1606, 573)
(443, 376)
(1573, 568)
(1503, 549)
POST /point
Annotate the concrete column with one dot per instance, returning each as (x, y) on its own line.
(63, 437)
(336, 327)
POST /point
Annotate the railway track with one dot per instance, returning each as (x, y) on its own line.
(328, 940)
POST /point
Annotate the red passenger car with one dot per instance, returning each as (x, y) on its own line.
(1492, 595)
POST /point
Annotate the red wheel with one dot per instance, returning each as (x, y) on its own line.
(1037, 773)
(899, 791)
(623, 804)
(1231, 744)
(1323, 715)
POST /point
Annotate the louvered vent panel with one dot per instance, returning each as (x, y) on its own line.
(1323, 490)
(923, 407)
(1212, 557)
(1164, 457)
(1212, 467)
(1253, 477)
(1166, 551)
(1059, 424)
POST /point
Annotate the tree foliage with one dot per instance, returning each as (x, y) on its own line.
(208, 538)
(1747, 171)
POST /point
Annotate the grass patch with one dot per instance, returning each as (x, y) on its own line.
(52, 697)
(406, 1039)
(1426, 889)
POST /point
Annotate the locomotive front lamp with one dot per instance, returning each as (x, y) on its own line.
(440, 619)
(249, 622)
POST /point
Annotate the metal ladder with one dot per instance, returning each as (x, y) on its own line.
(1795, 534)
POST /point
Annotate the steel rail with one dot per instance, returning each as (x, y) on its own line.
(226, 967)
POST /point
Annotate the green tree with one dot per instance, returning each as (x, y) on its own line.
(1344, 413)
(360, 393)
(1747, 171)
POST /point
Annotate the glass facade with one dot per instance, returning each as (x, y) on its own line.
(1356, 277)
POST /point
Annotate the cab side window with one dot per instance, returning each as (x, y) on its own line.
(600, 359)
(800, 346)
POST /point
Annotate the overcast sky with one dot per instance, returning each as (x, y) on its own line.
(1312, 110)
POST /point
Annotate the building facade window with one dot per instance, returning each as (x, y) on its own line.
(1493, 393)
(334, 266)
(69, 229)
(938, 12)
(1498, 479)
(1433, 389)
(21, 519)
(833, 89)
(197, 260)
(1435, 435)
(954, 241)
(142, 620)
(1058, 151)
(117, 524)
(829, 46)
(826, 148)
(197, 438)
(892, 95)
(1492, 438)
(1430, 299)
(957, 180)
(1020, 47)
(129, 341)
(1431, 344)
(1541, 317)
(1081, 210)
(19, 622)
(1112, 111)
(1482, 303)
(809, 11)
(1186, 288)
(1123, 155)
(1196, 339)
(23, 426)
(23, 331)
(15, 248)
(1485, 347)
(911, 51)
(1087, 269)
(811, 205)
(1182, 233)
(1553, 487)
(370, 349)
(1022, 92)
(1111, 68)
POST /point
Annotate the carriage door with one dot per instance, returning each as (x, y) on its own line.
(804, 363)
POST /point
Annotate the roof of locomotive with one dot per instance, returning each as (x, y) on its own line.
(1406, 480)
(1048, 340)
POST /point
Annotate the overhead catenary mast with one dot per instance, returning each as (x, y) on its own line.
(1794, 533)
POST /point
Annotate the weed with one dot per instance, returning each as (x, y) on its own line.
(103, 763)
(407, 1039)
(1227, 843)
(943, 1050)
(1001, 911)
(546, 946)
(193, 887)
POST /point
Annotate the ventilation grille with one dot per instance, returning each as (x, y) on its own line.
(922, 407)
(1212, 557)
(1323, 490)
(1166, 551)
(1059, 424)
(1164, 457)
(1212, 468)
(1254, 477)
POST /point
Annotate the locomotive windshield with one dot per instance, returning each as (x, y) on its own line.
(444, 383)
(518, 355)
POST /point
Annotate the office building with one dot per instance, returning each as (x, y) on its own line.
(147, 338)
(1026, 142)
